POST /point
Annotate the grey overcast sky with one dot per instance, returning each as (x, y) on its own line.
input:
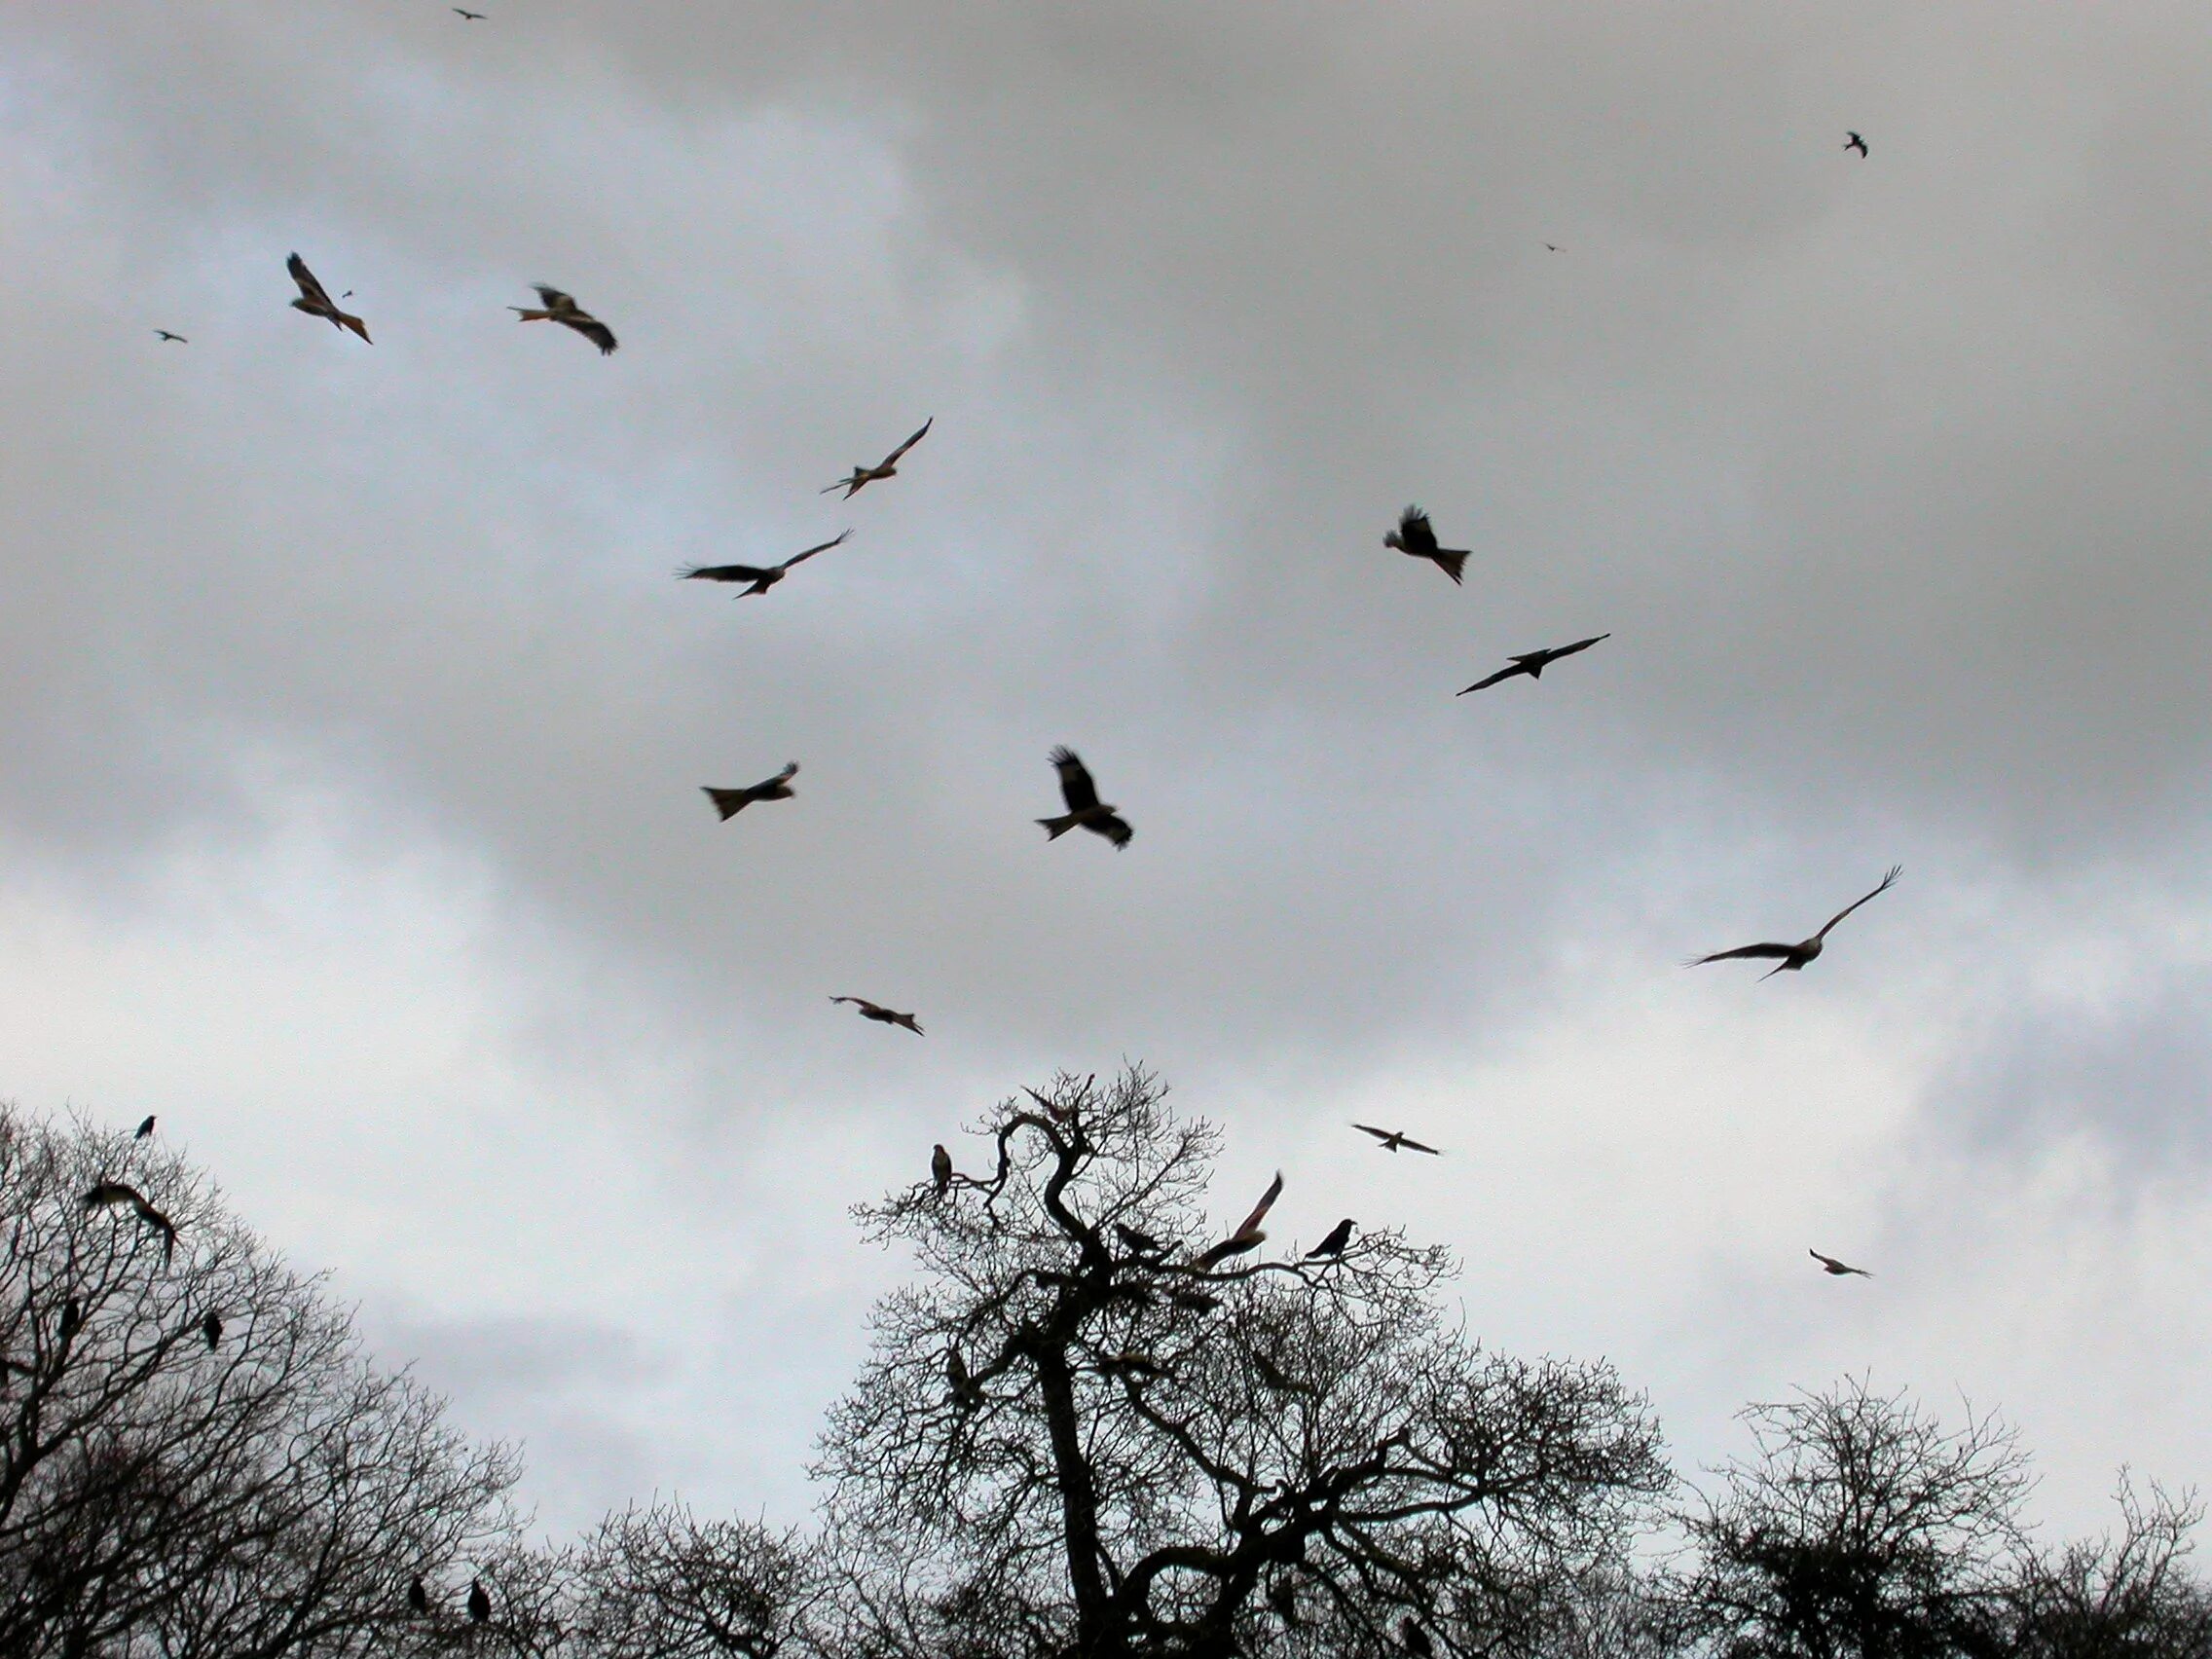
(351, 726)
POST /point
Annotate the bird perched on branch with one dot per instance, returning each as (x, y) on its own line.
(762, 576)
(1851, 141)
(940, 1168)
(315, 302)
(1416, 1640)
(1533, 663)
(1334, 1243)
(418, 1598)
(1085, 809)
(145, 1127)
(878, 1013)
(211, 1328)
(1835, 1269)
(861, 477)
(1393, 1141)
(730, 802)
(1248, 1235)
(479, 1602)
(556, 306)
(1416, 537)
(966, 1393)
(108, 1195)
(1791, 958)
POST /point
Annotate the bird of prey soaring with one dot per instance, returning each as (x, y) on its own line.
(1533, 663)
(107, 1194)
(418, 1598)
(861, 477)
(145, 1129)
(877, 1011)
(1851, 141)
(1554, 247)
(211, 1328)
(562, 309)
(940, 1168)
(1835, 1269)
(1248, 1235)
(730, 802)
(1793, 957)
(1393, 1141)
(165, 334)
(762, 576)
(468, 17)
(1416, 537)
(1085, 809)
(317, 303)
(479, 1602)
(1334, 1244)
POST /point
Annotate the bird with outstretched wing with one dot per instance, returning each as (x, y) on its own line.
(877, 1011)
(1416, 537)
(1393, 1141)
(762, 576)
(861, 477)
(1248, 1235)
(1791, 958)
(730, 802)
(556, 306)
(111, 1195)
(317, 302)
(1086, 810)
(1835, 1269)
(1533, 663)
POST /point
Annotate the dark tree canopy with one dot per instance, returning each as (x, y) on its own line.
(1068, 1442)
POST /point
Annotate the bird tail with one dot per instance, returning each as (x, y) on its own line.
(523, 314)
(346, 319)
(1055, 827)
(1452, 560)
(728, 802)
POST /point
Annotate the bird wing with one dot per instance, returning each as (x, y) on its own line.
(920, 432)
(724, 572)
(1578, 645)
(1115, 828)
(861, 1002)
(1887, 882)
(552, 299)
(107, 1193)
(1415, 534)
(1076, 785)
(1251, 1223)
(1370, 1129)
(790, 771)
(1519, 665)
(1777, 951)
(592, 329)
(1412, 1145)
(309, 289)
(822, 547)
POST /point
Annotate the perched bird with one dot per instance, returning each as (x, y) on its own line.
(1193, 1300)
(1793, 957)
(418, 1597)
(1283, 1595)
(1334, 1244)
(1533, 663)
(1142, 1243)
(1851, 141)
(1085, 809)
(1416, 537)
(1275, 1378)
(317, 303)
(468, 17)
(106, 1195)
(967, 1394)
(1835, 1269)
(211, 1328)
(144, 1128)
(762, 576)
(940, 1168)
(1416, 1640)
(1393, 1141)
(1248, 1235)
(72, 1317)
(562, 309)
(861, 477)
(730, 802)
(165, 334)
(878, 1013)
(479, 1602)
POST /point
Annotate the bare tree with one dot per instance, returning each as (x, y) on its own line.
(1074, 1439)
(2125, 1597)
(171, 1485)
(660, 1583)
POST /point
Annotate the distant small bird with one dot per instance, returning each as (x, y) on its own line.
(418, 1598)
(211, 1328)
(1334, 1244)
(1393, 1141)
(1248, 1235)
(479, 1602)
(730, 802)
(1533, 663)
(1416, 537)
(940, 1168)
(1793, 957)
(315, 302)
(1835, 1269)
(1085, 809)
(883, 1016)
(165, 334)
(762, 576)
(562, 309)
(1851, 141)
(1554, 247)
(1416, 1640)
(145, 1129)
(107, 1194)
(966, 1393)
(468, 17)
(1139, 1243)
(861, 477)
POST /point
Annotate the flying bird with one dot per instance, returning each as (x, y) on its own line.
(1793, 957)
(1416, 537)
(211, 1328)
(1334, 1244)
(762, 576)
(468, 17)
(317, 303)
(562, 309)
(1393, 1141)
(1554, 247)
(1533, 663)
(145, 1129)
(730, 802)
(877, 1011)
(165, 334)
(1085, 809)
(940, 1168)
(861, 477)
(1835, 1269)
(107, 1194)
(418, 1598)
(479, 1602)
(1248, 1235)
(1851, 141)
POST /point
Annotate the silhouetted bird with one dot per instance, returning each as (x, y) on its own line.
(967, 1395)
(211, 1328)
(861, 477)
(145, 1129)
(1334, 1244)
(106, 1195)
(468, 17)
(940, 1168)
(1835, 1269)
(1248, 1235)
(1851, 141)
(1416, 1640)
(1142, 1243)
(1554, 247)
(418, 1597)
(1393, 1141)
(479, 1602)
(1416, 537)
(165, 334)
(1193, 1300)
(1085, 809)
(72, 1317)
(1533, 663)
(317, 303)
(562, 309)
(1283, 1595)
(730, 802)
(881, 1014)
(762, 576)
(1793, 957)
(1275, 1378)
